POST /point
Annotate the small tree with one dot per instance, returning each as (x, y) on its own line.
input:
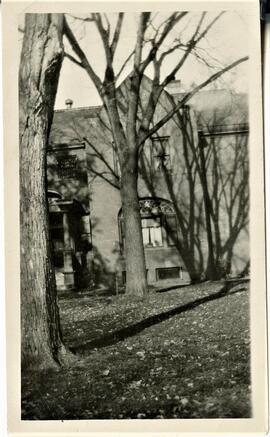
(129, 133)
(41, 59)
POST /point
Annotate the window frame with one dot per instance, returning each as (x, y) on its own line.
(162, 215)
(162, 167)
(159, 271)
(153, 217)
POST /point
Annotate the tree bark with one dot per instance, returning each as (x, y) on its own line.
(190, 264)
(136, 283)
(40, 65)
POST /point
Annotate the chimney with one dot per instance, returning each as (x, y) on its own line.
(69, 103)
(174, 87)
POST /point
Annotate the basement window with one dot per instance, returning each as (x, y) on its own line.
(168, 273)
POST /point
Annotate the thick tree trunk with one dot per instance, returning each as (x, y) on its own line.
(190, 264)
(136, 283)
(40, 65)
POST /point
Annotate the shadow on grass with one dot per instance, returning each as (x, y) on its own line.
(130, 331)
(171, 287)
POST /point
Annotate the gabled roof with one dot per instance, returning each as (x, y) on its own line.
(212, 107)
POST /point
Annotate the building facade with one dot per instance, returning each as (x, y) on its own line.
(84, 199)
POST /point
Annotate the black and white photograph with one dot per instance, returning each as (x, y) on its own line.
(134, 213)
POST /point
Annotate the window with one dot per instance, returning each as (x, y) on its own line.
(57, 231)
(67, 166)
(58, 259)
(58, 241)
(161, 154)
(168, 273)
(56, 220)
(151, 230)
(158, 222)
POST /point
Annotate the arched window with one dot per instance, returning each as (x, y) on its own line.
(159, 223)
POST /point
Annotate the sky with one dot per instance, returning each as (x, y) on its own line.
(226, 41)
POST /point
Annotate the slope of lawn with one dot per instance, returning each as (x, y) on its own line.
(182, 353)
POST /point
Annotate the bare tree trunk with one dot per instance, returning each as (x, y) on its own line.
(211, 265)
(229, 257)
(193, 271)
(245, 270)
(136, 283)
(40, 65)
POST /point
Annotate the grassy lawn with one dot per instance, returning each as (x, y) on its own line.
(182, 353)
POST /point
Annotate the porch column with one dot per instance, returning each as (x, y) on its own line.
(68, 267)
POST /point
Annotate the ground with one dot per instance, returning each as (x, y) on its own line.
(181, 353)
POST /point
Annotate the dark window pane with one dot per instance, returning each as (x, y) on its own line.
(57, 234)
(168, 273)
(67, 166)
(56, 220)
(58, 259)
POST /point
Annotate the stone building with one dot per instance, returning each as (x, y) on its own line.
(83, 188)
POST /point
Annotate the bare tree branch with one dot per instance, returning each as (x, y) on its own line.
(124, 65)
(81, 55)
(71, 58)
(102, 176)
(144, 17)
(101, 157)
(188, 96)
(85, 19)
(134, 92)
(170, 24)
(157, 88)
(107, 22)
(117, 32)
(170, 50)
(105, 37)
(191, 45)
(210, 25)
